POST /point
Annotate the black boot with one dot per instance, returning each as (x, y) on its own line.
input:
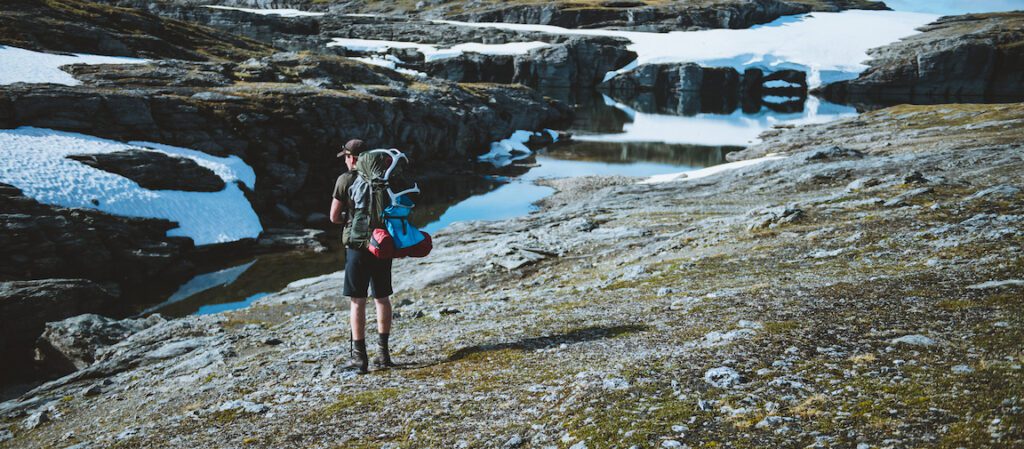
(359, 362)
(384, 360)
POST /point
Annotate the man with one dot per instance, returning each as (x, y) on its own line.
(361, 269)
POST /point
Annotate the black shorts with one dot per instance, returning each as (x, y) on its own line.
(361, 268)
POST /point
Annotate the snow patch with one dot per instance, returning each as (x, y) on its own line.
(283, 12)
(26, 66)
(507, 151)
(34, 160)
(432, 52)
(391, 62)
(828, 46)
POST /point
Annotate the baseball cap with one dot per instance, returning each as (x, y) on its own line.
(353, 147)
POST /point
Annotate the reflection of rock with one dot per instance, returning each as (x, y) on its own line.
(155, 170)
(969, 58)
(688, 89)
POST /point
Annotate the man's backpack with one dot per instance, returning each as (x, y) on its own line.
(377, 208)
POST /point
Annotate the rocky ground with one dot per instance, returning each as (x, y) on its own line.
(864, 291)
(968, 58)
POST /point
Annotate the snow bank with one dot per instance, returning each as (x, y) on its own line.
(391, 62)
(283, 12)
(507, 151)
(737, 128)
(705, 172)
(18, 65)
(432, 52)
(34, 160)
(828, 46)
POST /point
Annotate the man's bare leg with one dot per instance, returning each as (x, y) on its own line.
(383, 331)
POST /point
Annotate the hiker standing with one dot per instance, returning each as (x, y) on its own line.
(361, 269)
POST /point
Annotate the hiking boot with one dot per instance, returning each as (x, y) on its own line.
(359, 361)
(384, 359)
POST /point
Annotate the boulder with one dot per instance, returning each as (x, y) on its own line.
(72, 344)
(155, 170)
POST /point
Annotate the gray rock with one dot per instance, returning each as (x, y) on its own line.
(998, 192)
(914, 340)
(722, 377)
(77, 340)
(901, 199)
(36, 419)
(155, 170)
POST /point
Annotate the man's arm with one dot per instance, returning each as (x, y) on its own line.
(337, 213)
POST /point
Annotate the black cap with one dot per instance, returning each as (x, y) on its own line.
(353, 147)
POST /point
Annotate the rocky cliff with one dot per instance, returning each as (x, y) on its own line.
(86, 27)
(971, 58)
(870, 280)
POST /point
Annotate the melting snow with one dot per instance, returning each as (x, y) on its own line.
(828, 46)
(34, 160)
(391, 62)
(283, 12)
(432, 52)
(507, 151)
(26, 66)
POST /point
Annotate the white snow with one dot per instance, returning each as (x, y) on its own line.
(432, 52)
(736, 128)
(18, 65)
(283, 12)
(391, 62)
(705, 172)
(828, 46)
(507, 151)
(34, 160)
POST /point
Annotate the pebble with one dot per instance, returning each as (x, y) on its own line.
(722, 377)
(36, 419)
(914, 340)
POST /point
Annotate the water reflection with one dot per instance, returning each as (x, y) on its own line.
(737, 128)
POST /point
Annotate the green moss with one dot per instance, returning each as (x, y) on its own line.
(372, 401)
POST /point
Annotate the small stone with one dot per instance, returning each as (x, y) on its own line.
(579, 445)
(914, 340)
(962, 369)
(671, 443)
(92, 390)
(272, 341)
(769, 421)
(513, 442)
(722, 377)
(36, 419)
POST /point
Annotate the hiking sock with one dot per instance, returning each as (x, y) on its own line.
(384, 359)
(360, 362)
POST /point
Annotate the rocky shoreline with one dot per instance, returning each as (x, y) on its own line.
(866, 293)
(974, 58)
